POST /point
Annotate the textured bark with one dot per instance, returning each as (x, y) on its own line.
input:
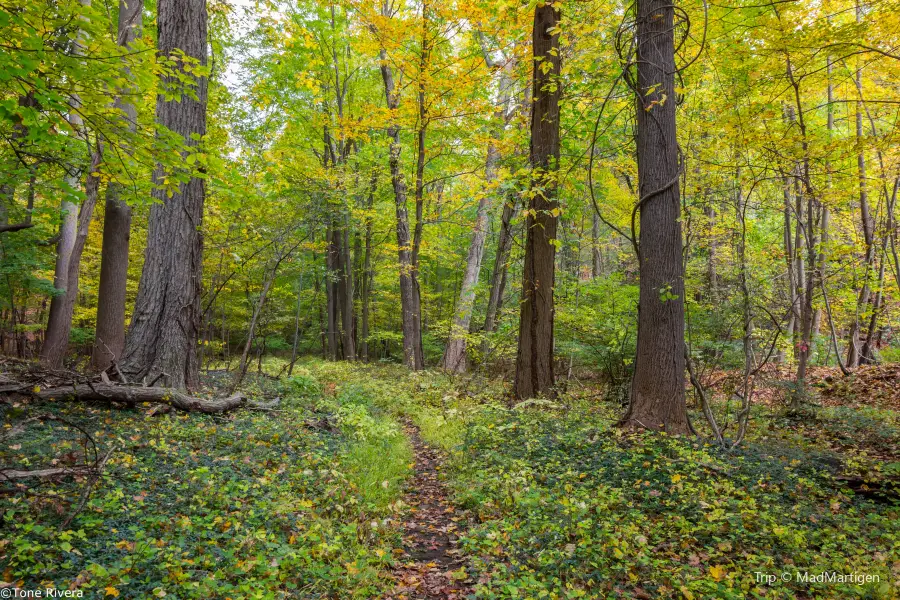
(162, 338)
(56, 337)
(657, 393)
(410, 304)
(109, 338)
(534, 358)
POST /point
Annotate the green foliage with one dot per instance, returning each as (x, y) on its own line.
(569, 507)
(254, 505)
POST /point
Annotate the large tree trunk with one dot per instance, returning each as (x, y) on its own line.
(162, 338)
(410, 305)
(657, 391)
(534, 358)
(109, 340)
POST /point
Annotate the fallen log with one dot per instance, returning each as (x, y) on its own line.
(10, 474)
(138, 395)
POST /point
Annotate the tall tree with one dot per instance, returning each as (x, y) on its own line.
(657, 390)
(109, 338)
(162, 338)
(410, 297)
(534, 358)
(455, 354)
(73, 230)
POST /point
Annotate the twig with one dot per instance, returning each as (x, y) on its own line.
(86, 493)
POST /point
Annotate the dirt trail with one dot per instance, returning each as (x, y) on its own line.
(432, 565)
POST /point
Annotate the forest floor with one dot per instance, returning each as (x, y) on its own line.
(430, 564)
(374, 482)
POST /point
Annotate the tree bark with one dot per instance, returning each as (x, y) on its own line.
(657, 392)
(367, 275)
(59, 325)
(56, 337)
(162, 338)
(410, 305)
(454, 359)
(455, 354)
(534, 358)
(109, 340)
(501, 260)
(854, 350)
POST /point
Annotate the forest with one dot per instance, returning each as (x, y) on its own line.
(475, 299)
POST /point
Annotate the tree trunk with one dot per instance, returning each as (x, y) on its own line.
(296, 327)
(596, 253)
(251, 331)
(60, 324)
(657, 391)
(534, 358)
(455, 354)
(56, 337)
(867, 355)
(331, 291)
(854, 350)
(454, 359)
(162, 338)
(367, 275)
(138, 395)
(410, 306)
(501, 260)
(346, 290)
(109, 340)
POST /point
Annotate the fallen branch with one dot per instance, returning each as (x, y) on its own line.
(138, 395)
(12, 474)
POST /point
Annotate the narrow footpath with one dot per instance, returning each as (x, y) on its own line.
(432, 567)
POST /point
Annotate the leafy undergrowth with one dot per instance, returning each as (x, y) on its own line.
(558, 503)
(288, 503)
(564, 505)
(571, 507)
